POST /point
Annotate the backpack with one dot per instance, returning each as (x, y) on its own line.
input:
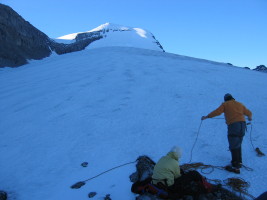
(191, 183)
(141, 187)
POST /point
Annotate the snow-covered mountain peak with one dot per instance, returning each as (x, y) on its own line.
(115, 35)
(110, 26)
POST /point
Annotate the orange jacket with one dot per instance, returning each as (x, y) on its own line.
(233, 111)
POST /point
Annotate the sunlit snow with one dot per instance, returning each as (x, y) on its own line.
(140, 32)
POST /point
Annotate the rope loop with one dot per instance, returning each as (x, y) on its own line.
(195, 142)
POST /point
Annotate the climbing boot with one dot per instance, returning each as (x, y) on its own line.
(230, 168)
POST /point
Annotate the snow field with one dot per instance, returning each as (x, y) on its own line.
(107, 106)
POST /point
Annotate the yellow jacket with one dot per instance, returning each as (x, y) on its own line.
(233, 112)
(167, 169)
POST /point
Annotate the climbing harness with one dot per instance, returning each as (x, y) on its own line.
(82, 183)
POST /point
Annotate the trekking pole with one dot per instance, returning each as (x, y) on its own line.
(259, 152)
(195, 141)
(82, 183)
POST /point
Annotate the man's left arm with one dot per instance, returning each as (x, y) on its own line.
(214, 113)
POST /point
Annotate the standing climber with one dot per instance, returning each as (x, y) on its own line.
(234, 113)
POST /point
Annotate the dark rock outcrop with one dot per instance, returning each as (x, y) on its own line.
(61, 48)
(20, 41)
(3, 195)
(157, 42)
(261, 68)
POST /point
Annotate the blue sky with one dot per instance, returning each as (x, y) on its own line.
(233, 31)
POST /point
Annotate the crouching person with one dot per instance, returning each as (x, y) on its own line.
(168, 175)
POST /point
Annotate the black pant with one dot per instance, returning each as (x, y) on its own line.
(236, 132)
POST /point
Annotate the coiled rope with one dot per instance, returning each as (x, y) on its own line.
(239, 185)
(236, 184)
(202, 167)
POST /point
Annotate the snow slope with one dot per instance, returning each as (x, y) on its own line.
(107, 106)
(117, 35)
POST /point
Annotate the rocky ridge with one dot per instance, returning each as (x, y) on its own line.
(261, 68)
(20, 41)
